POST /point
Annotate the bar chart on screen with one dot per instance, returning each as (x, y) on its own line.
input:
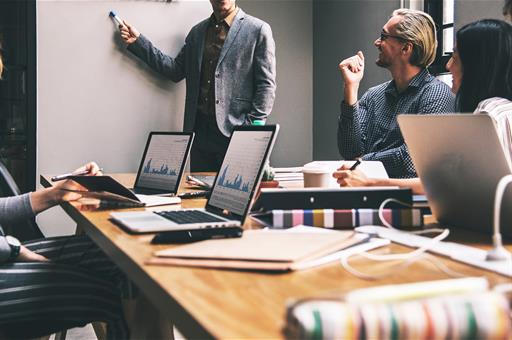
(163, 161)
(163, 170)
(240, 170)
(237, 183)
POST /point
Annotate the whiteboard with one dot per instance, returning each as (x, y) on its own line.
(95, 99)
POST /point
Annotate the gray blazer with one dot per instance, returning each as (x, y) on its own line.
(244, 78)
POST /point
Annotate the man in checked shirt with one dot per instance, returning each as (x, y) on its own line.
(367, 127)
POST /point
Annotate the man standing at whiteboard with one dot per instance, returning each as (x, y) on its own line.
(229, 64)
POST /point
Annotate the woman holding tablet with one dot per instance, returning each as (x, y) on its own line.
(57, 283)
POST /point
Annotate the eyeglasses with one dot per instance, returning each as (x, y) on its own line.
(384, 36)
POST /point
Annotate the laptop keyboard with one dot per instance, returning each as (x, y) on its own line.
(189, 216)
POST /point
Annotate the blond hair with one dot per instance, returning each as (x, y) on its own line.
(419, 28)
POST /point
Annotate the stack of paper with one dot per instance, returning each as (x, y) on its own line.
(288, 174)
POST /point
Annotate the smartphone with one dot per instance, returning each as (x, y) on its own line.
(194, 235)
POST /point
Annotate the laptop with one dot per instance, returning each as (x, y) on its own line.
(460, 161)
(232, 192)
(163, 163)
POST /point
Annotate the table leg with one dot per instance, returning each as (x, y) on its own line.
(146, 321)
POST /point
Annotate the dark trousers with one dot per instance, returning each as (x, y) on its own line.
(209, 146)
(77, 286)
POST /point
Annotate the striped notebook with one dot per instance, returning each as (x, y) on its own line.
(338, 218)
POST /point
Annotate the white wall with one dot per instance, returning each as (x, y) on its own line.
(97, 102)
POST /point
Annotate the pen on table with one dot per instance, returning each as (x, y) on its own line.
(65, 176)
(195, 194)
(356, 164)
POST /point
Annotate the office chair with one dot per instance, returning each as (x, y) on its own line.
(26, 230)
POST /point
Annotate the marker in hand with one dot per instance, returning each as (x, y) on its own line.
(116, 18)
(66, 176)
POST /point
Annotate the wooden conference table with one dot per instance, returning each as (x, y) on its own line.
(204, 303)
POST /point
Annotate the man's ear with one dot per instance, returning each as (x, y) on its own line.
(407, 48)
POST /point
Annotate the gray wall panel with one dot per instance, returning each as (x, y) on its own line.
(292, 26)
(467, 11)
(341, 28)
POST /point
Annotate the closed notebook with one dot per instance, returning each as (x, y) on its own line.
(340, 218)
(274, 250)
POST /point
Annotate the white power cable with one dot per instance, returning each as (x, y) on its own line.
(381, 211)
(400, 267)
(498, 252)
(407, 258)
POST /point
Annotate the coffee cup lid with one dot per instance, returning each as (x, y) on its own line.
(315, 170)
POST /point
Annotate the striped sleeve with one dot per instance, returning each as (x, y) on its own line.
(500, 109)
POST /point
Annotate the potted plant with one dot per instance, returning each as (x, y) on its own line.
(267, 181)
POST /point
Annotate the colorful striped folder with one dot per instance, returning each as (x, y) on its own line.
(337, 218)
(452, 316)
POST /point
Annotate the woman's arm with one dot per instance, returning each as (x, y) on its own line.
(13, 209)
(60, 192)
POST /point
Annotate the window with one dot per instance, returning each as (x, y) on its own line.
(442, 11)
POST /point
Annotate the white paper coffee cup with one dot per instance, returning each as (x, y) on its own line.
(316, 177)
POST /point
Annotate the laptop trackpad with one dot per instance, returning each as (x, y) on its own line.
(140, 220)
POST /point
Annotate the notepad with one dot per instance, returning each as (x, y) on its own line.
(268, 250)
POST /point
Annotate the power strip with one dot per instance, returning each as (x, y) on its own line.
(457, 252)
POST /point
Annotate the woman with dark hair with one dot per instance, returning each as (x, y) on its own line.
(53, 284)
(484, 48)
(481, 66)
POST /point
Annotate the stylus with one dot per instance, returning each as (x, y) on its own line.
(66, 176)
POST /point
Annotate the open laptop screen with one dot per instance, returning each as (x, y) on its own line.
(163, 161)
(241, 169)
